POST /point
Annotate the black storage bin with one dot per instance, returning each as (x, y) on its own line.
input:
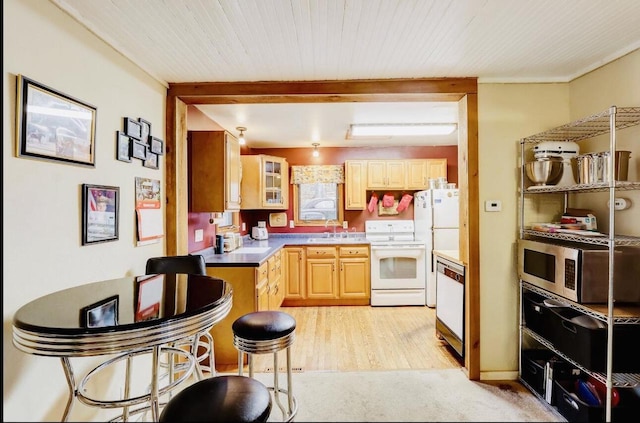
(579, 339)
(576, 410)
(537, 316)
(533, 366)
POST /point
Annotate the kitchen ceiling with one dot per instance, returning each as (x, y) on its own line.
(501, 41)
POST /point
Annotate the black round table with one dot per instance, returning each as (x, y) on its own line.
(128, 317)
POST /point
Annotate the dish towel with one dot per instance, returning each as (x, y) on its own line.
(373, 202)
(387, 200)
(404, 202)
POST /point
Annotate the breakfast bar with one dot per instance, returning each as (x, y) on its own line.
(128, 316)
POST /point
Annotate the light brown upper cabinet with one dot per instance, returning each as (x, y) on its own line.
(265, 182)
(419, 171)
(355, 184)
(385, 174)
(215, 171)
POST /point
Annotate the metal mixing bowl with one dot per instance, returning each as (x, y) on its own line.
(543, 171)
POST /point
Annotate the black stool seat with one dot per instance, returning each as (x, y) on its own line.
(220, 399)
(264, 325)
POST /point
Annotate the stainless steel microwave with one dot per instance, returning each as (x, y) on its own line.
(580, 272)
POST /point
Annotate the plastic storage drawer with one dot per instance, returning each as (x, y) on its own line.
(579, 338)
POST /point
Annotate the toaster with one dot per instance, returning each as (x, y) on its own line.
(259, 233)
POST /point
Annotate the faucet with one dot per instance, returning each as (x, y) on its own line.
(335, 222)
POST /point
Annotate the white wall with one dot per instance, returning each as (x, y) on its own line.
(41, 200)
(506, 113)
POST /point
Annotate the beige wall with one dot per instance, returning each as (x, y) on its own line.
(506, 113)
(41, 200)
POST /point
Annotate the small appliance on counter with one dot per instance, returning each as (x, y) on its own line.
(260, 232)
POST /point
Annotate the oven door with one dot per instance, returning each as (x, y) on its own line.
(397, 267)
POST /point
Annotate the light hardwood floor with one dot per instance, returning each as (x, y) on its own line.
(350, 338)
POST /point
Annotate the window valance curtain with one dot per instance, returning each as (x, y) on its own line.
(317, 174)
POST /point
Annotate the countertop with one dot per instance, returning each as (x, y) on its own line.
(238, 258)
(452, 255)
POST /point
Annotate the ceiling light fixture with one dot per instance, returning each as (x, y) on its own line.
(315, 153)
(399, 129)
(241, 139)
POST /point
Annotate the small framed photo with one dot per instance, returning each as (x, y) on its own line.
(132, 128)
(145, 130)
(139, 150)
(123, 146)
(157, 146)
(100, 208)
(101, 314)
(151, 161)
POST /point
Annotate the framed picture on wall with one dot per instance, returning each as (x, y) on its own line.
(157, 146)
(139, 150)
(145, 131)
(100, 208)
(54, 126)
(151, 161)
(133, 128)
(123, 147)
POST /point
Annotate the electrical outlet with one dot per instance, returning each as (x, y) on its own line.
(291, 224)
(244, 226)
(345, 225)
(199, 235)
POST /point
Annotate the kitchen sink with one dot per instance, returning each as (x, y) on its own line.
(250, 250)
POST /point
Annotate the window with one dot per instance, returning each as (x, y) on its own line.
(317, 194)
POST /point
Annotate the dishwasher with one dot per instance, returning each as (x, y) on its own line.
(450, 303)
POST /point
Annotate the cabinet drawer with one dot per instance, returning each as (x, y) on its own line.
(321, 252)
(354, 251)
(262, 272)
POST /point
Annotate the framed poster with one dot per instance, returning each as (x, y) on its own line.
(54, 126)
(100, 314)
(100, 208)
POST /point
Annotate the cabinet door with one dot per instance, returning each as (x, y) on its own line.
(274, 183)
(436, 168)
(215, 171)
(376, 174)
(294, 273)
(276, 290)
(233, 170)
(262, 288)
(355, 184)
(354, 278)
(395, 174)
(417, 174)
(321, 278)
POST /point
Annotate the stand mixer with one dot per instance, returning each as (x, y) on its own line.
(562, 150)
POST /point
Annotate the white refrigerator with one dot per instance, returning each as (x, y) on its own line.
(436, 217)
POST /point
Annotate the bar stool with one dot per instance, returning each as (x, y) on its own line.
(220, 399)
(264, 332)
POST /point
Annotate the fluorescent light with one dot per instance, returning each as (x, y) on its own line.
(399, 129)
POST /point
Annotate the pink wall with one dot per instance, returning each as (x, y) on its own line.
(331, 155)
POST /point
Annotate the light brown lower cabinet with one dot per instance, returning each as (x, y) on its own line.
(327, 275)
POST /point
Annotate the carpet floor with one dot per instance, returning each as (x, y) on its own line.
(408, 396)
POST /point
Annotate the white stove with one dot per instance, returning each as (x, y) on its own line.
(397, 263)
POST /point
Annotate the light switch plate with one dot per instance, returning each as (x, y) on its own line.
(493, 205)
